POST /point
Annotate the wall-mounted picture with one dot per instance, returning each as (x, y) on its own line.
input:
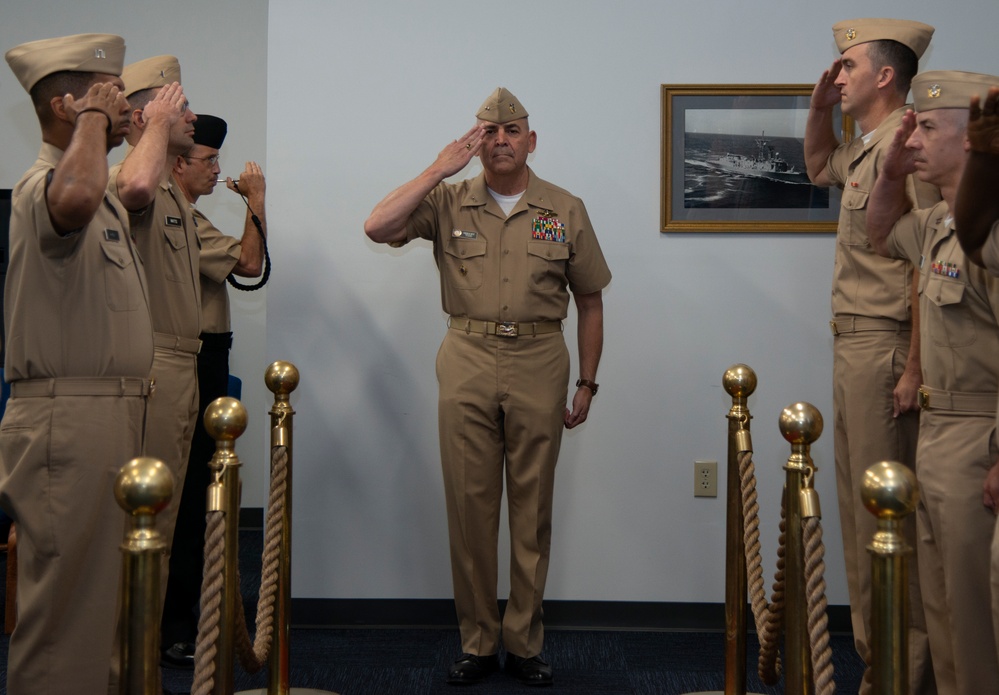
(733, 160)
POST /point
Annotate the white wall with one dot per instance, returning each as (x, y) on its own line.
(222, 47)
(359, 98)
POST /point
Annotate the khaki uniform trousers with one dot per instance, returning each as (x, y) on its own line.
(173, 409)
(501, 417)
(60, 457)
(954, 529)
(866, 366)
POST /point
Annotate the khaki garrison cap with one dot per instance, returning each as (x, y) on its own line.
(852, 32)
(949, 89)
(103, 53)
(158, 71)
(501, 107)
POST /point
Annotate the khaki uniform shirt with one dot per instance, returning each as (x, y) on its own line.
(219, 255)
(864, 283)
(959, 304)
(516, 268)
(165, 235)
(74, 305)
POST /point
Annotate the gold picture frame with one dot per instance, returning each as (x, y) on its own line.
(733, 160)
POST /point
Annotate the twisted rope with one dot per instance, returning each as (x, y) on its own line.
(768, 617)
(206, 645)
(252, 655)
(818, 622)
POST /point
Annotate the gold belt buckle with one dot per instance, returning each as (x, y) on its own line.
(506, 329)
(832, 325)
(924, 399)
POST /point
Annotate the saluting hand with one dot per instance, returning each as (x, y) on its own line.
(104, 97)
(459, 153)
(983, 122)
(826, 93)
(900, 161)
(169, 105)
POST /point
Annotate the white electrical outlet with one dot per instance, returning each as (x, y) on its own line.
(705, 478)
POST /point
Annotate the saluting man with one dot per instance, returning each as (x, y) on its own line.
(509, 247)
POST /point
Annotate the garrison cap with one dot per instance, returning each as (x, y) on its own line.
(209, 131)
(501, 107)
(852, 32)
(101, 53)
(949, 89)
(158, 71)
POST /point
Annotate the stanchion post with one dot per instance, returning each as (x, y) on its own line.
(143, 488)
(800, 424)
(281, 379)
(889, 492)
(739, 382)
(225, 421)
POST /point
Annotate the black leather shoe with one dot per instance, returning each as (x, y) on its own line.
(471, 668)
(180, 655)
(532, 671)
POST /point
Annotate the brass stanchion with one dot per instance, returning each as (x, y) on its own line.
(889, 491)
(143, 488)
(800, 424)
(282, 378)
(225, 421)
(739, 382)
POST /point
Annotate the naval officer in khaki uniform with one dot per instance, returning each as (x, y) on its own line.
(510, 247)
(79, 350)
(959, 312)
(976, 217)
(164, 231)
(875, 346)
(196, 173)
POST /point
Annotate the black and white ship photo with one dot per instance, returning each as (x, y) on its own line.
(757, 166)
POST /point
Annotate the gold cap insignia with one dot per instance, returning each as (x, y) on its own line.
(933, 91)
(851, 34)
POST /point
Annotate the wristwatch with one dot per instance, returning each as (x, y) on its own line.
(592, 385)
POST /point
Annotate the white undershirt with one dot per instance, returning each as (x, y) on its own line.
(506, 202)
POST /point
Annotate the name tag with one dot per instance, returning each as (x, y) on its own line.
(458, 234)
(172, 221)
(112, 235)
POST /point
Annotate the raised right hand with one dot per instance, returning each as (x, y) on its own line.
(826, 94)
(102, 96)
(900, 161)
(459, 153)
(169, 105)
(983, 123)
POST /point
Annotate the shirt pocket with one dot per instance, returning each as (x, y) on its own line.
(853, 226)
(951, 324)
(464, 263)
(121, 286)
(177, 263)
(547, 264)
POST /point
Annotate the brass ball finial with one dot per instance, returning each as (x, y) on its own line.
(225, 419)
(739, 381)
(801, 423)
(144, 486)
(281, 378)
(889, 490)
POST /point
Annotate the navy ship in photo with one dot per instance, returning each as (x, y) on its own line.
(766, 162)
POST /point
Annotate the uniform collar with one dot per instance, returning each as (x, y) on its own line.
(478, 195)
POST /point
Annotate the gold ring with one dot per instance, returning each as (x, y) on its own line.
(468, 146)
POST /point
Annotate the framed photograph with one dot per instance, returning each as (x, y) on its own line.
(733, 160)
